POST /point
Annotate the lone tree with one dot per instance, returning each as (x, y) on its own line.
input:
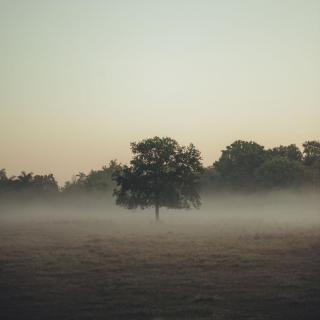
(161, 174)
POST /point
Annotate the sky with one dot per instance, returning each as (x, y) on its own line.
(80, 80)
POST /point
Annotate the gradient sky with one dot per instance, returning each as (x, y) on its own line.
(81, 79)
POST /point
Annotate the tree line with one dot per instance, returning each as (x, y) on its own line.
(248, 166)
(163, 173)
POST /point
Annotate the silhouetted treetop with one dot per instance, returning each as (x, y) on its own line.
(311, 152)
(161, 174)
(238, 162)
(97, 181)
(290, 152)
(279, 172)
(164, 174)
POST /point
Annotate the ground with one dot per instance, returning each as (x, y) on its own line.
(96, 269)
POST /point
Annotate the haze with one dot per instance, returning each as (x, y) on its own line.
(79, 79)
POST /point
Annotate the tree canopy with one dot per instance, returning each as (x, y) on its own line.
(290, 152)
(161, 174)
(164, 174)
(95, 182)
(27, 185)
(238, 162)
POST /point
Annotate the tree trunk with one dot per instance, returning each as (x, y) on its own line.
(157, 212)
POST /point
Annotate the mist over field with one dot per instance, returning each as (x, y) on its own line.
(283, 208)
(240, 256)
(164, 237)
(160, 160)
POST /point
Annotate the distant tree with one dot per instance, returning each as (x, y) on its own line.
(96, 182)
(45, 184)
(28, 185)
(101, 180)
(311, 159)
(209, 180)
(279, 172)
(24, 180)
(4, 181)
(236, 167)
(161, 174)
(290, 152)
(311, 152)
(76, 185)
(3, 175)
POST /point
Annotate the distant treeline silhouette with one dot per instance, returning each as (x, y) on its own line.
(243, 166)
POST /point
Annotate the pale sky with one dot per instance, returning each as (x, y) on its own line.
(80, 80)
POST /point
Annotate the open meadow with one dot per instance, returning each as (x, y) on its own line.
(192, 265)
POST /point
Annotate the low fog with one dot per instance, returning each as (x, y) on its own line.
(87, 258)
(224, 212)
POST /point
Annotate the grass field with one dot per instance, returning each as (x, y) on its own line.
(90, 268)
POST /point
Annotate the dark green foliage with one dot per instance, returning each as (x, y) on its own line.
(164, 174)
(97, 181)
(279, 172)
(247, 166)
(44, 184)
(236, 167)
(4, 182)
(27, 185)
(291, 152)
(283, 168)
(311, 159)
(311, 152)
(161, 174)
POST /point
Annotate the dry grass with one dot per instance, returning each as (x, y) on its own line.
(95, 269)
